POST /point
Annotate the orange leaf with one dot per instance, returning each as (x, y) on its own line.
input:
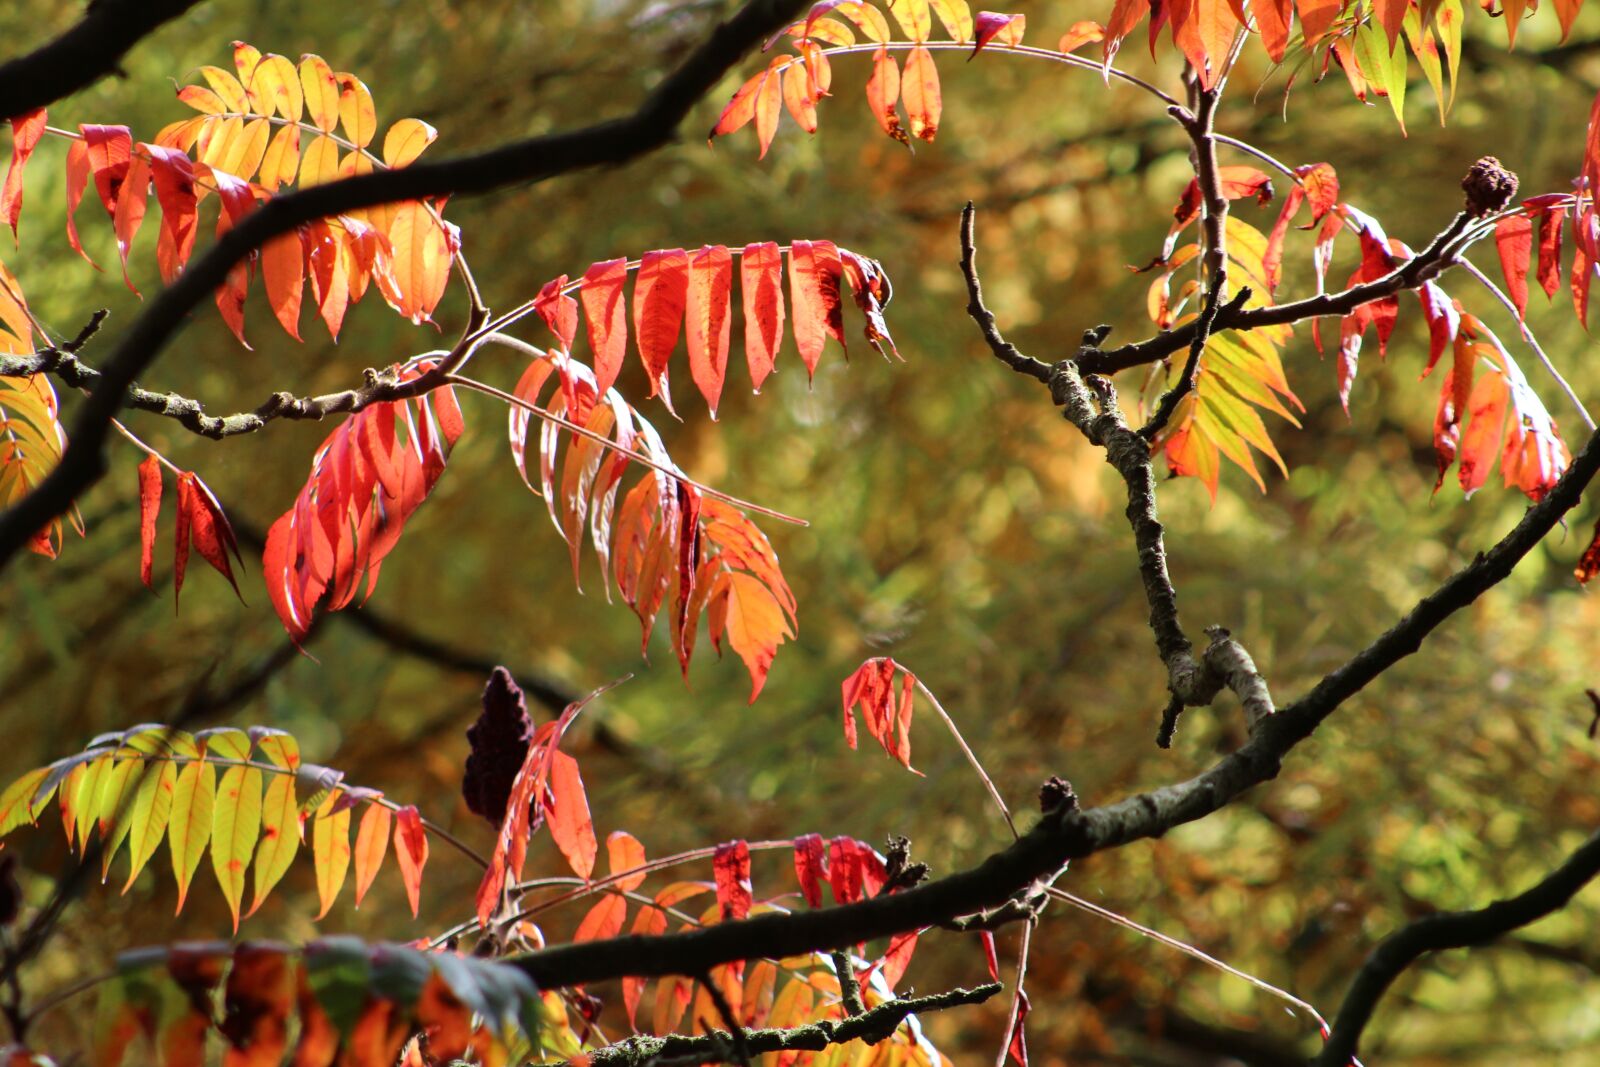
(372, 843)
(282, 160)
(411, 852)
(624, 853)
(356, 113)
(1079, 34)
(756, 625)
(1480, 443)
(604, 920)
(571, 827)
(799, 98)
(283, 274)
(769, 106)
(761, 281)
(149, 505)
(920, 89)
(405, 141)
(709, 320)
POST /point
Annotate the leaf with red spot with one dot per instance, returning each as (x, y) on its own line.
(883, 94)
(919, 88)
(26, 130)
(731, 864)
(1513, 240)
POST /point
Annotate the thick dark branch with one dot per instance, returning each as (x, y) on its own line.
(1450, 930)
(612, 142)
(84, 54)
(873, 1026)
(1440, 255)
(1065, 835)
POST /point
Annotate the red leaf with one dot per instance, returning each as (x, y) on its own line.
(211, 532)
(761, 281)
(1443, 321)
(604, 311)
(149, 505)
(180, 559)
(1017, 1040)
(133, 190)
(887, 714)
(742, 108)
(1008, 29)
(1513, 239)
(411, 852)
(109, 154)
(897, 957)
(920, 90)
(989, 958)
(709, 320)
(659, 296)
(810, 866)
(1549, 268)
(558, 310)
(26, 130)
(732, 866)
(883, 94)
(571, 826)
(175, 192)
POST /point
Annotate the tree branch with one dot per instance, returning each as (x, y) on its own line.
(615, 141)
(84, 54)
(872, 1027)
(1440, 255)
(1450, 930)
(1066, 833)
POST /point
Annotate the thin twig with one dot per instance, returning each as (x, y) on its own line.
(972, 758)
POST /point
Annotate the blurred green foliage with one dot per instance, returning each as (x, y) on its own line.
(956, 523)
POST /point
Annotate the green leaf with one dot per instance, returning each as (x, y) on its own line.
(236, 824)
(189, 829)
(152, 809)
(115, 805)
(18, 804)
(280, 835)
(1384, 68)
(330, 848)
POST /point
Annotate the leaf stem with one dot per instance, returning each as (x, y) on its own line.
(668, 469)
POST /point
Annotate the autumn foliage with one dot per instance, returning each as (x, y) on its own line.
(679, 553)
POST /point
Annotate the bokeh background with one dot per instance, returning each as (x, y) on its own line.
(956, 523)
